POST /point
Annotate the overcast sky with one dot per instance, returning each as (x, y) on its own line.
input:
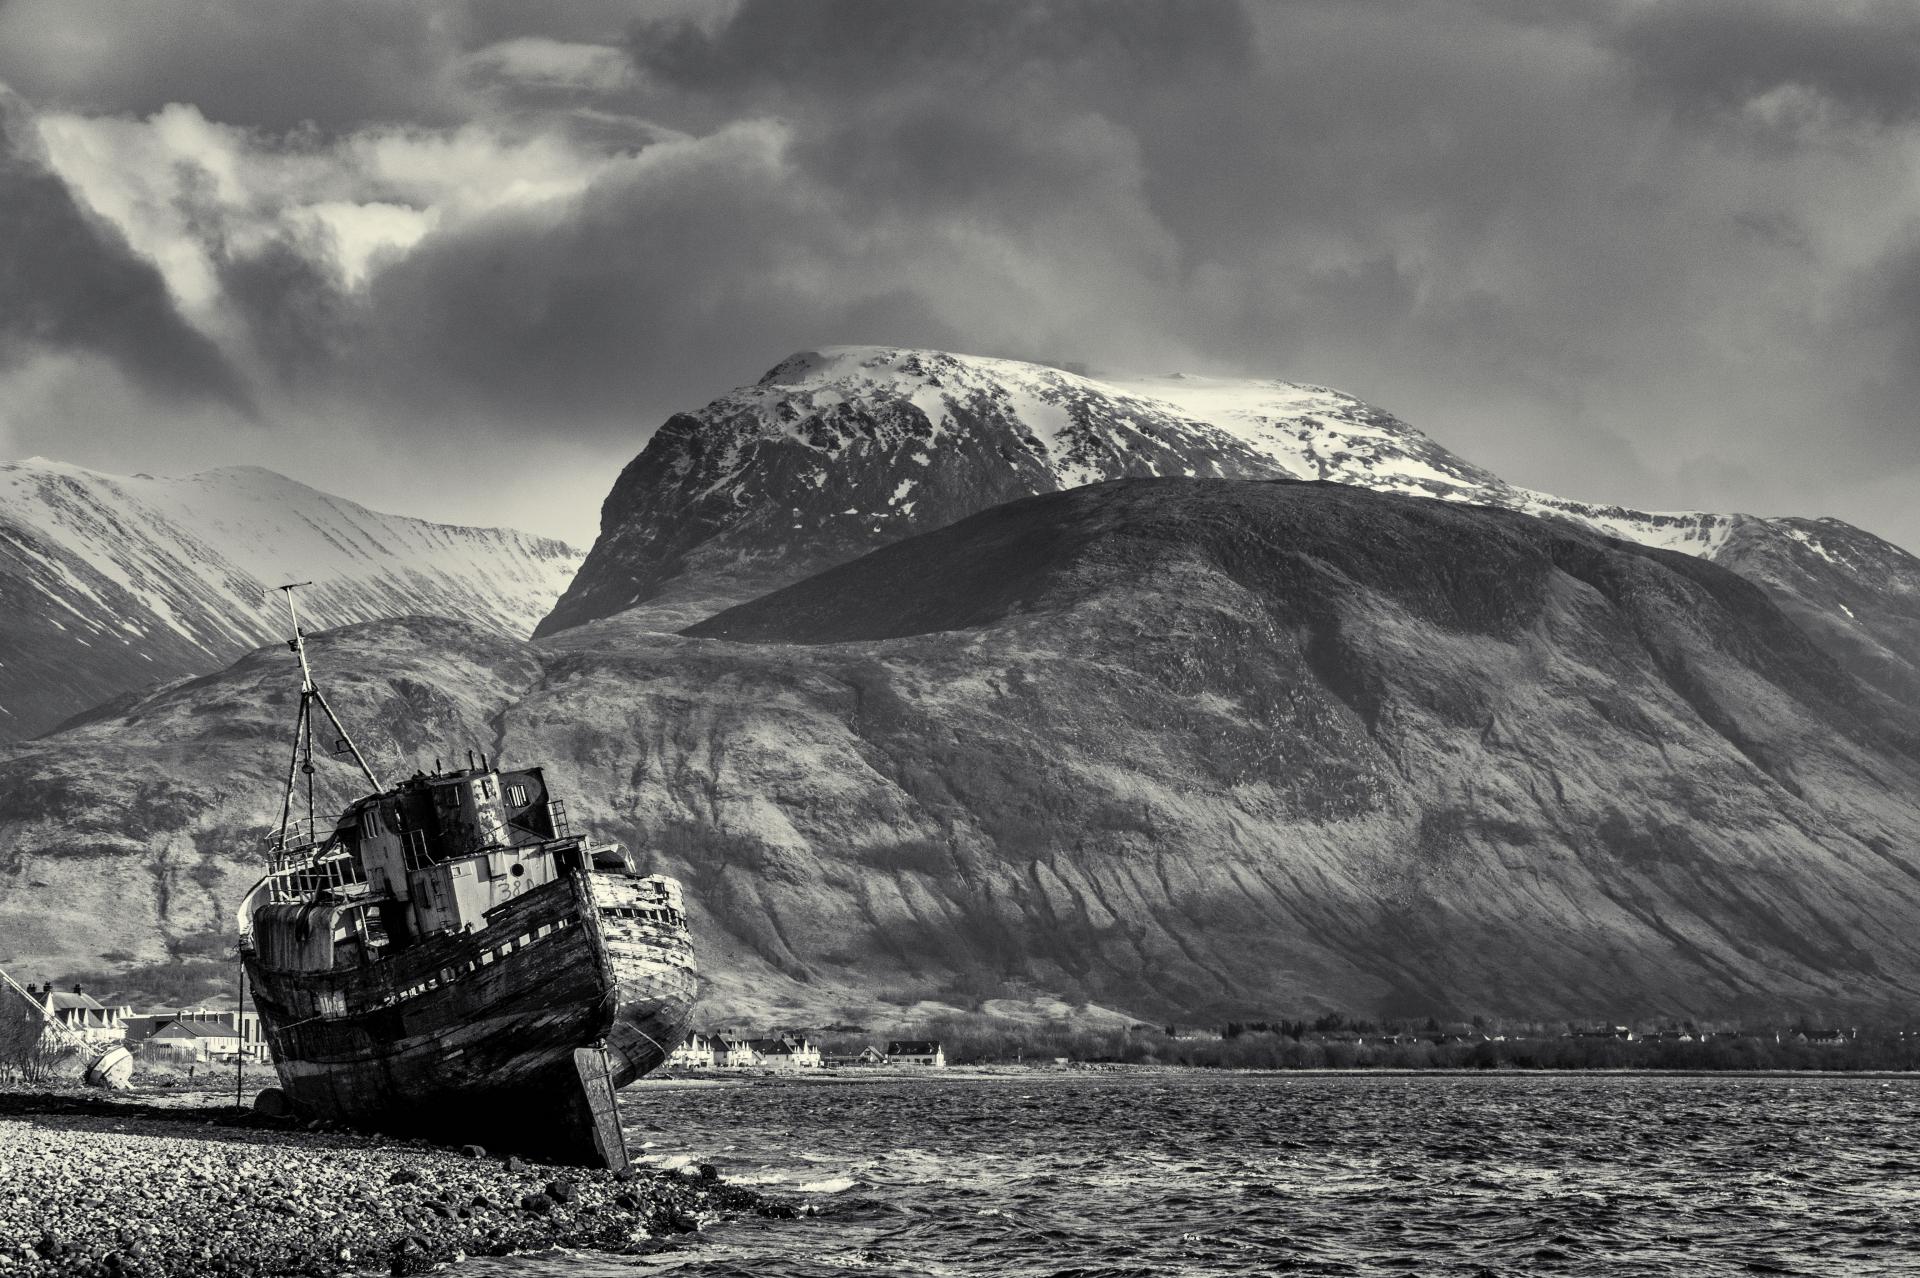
(460, 259)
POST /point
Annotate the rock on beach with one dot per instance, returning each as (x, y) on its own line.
(98, 1188)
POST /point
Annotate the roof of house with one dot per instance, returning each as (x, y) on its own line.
(63, 1000)
(193, 1029)
(913, 1047)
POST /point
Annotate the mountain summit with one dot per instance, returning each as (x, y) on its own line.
(839, 451)
(111, 583)
(836, 452)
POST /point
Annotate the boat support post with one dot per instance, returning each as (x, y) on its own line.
(601, 1116)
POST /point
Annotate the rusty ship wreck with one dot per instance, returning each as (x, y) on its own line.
(448, 959)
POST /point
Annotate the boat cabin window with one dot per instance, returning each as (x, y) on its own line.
(517, 795)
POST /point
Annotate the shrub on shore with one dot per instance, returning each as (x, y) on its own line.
(980, 1039)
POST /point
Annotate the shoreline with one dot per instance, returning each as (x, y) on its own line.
(97, 1185)
(159, 1182)
(1098, 1069)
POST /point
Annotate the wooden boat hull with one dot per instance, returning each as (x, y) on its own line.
(472, 1038)
(654, 976)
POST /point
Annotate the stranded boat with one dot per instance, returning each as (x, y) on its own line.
(450, 960)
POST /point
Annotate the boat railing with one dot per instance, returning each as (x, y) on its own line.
(244, 915)
(299, 870)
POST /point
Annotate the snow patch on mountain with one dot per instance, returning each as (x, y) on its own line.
(179, 573)
(838, 451)
(831, 397)
(200, 554)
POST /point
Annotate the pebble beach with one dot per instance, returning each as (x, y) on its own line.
(90, 1186)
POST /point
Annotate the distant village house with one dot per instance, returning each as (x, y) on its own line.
(191, 1042)
(789, 1053)
(83, 1014)
(923, 1052)
(730, 1052)
(786, 1054)
(193, 1034)
(695, 1052)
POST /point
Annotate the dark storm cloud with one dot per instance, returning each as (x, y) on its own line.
(69, 283)
(668, 279)
(1863, 55)
(1885, 317)
(1599, 245)
(850, 48)
(335, 63)
(298, 320)
(981, 107)
(677, 273)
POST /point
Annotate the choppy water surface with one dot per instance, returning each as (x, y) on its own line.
(1110, 1175)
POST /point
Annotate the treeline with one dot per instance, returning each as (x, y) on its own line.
(1337, 1043)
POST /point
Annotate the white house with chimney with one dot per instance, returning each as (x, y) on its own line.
(920, 1052)
(732, 1052)
(788, 1054)
(694, 1052)
(83, 1014)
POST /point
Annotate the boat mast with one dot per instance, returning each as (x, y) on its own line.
(310, 695)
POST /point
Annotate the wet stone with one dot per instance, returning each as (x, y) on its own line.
(272, 1103)
(131, 1190)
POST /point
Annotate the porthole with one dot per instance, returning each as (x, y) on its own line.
(516, 869)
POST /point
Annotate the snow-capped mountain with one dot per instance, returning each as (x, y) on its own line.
(111, 583)
(837, 452)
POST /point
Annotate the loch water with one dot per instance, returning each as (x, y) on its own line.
(1092, 1175)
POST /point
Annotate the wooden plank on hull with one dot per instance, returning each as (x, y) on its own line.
(595, 1071)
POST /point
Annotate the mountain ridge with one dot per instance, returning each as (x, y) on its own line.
(115, 582)
(835, 452)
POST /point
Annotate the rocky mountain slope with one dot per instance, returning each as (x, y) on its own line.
(111, 583)
(837, 452)
(1179, 747)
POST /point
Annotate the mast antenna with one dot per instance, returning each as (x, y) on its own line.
(310, 696)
